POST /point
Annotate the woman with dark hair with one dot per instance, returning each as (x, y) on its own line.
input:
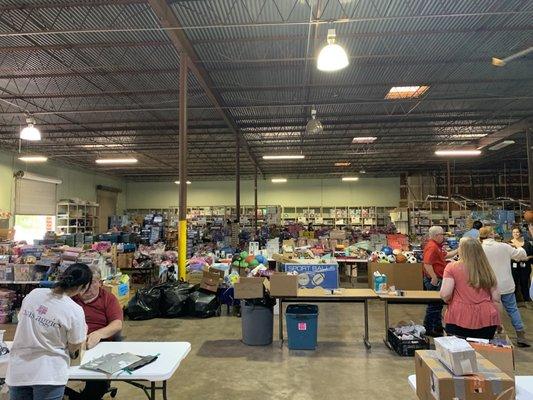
(51, 330)
(522, 269)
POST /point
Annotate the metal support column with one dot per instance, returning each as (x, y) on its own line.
(182, 247)
(238, 179)
(449, 185)
(529, 143)
(255, 204)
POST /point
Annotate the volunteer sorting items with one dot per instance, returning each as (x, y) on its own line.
(522, 269)
(51, 329)
(471, 291)
(104, 317)
(500, 256)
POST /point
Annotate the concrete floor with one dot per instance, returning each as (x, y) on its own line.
(221, 367)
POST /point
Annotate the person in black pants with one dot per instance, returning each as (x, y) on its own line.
(522, 269)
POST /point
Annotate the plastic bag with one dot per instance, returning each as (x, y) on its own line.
(204, 305)
(145, 304)
(175, 299)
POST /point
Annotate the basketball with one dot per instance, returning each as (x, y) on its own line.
(400, 258)
(528, 216)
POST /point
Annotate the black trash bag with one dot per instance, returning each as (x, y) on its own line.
(145, 304)
(204, 304)
(175, 299)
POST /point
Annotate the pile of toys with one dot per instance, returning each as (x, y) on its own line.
(388, 255)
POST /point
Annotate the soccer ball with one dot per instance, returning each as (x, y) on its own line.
(392, 258)
(412, 259)
(383, 258)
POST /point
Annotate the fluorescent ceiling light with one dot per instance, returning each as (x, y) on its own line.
(343, 164)
(364, 139)
(362, 171)
(279, 180)
(99, 146)
(178, 182)
(350, 178)
(501, 145)
(30, 132)
(33, 158)
(332, 57)
(458, 153)
(406, 92)
(116, 161)
(285, 157)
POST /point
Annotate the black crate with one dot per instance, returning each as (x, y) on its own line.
(406, 348)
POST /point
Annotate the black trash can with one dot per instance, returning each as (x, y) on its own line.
(257, 323)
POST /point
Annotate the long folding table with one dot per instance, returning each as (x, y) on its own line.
(326, 296)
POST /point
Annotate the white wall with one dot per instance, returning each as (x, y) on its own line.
(76, 183)
(296, 192)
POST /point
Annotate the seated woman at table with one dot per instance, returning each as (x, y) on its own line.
(51, 330)
(469, 287)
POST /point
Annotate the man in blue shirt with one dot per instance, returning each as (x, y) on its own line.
(474, 232)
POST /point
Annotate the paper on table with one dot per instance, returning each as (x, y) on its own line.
(111, 363)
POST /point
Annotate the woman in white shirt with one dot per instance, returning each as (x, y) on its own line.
(51, 329)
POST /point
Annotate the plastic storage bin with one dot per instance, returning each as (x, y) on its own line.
(257, 324)
(302, 326)
(406, 348)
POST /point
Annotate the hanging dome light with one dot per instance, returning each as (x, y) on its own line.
(332, 57)
(30, 132)
(314, 126)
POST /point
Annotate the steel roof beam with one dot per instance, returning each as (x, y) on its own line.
(78, 46)
(29, 5)
(495, 137)
(168, 19)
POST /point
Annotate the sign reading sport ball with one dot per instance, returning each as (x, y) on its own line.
(310, 276)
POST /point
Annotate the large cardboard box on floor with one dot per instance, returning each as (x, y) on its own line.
(401, 276)
(249, 288)
(435, 382)
(500, 352)
(211, 279)
(283, 285)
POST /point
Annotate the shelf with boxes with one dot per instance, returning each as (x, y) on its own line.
(356, 216)
(76, 217)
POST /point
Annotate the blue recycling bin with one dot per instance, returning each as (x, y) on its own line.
(302, 326)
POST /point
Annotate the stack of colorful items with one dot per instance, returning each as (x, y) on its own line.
(7, 300)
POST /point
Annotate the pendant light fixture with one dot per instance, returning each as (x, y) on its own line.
(332, 57)
(314, 126)
(30, 132)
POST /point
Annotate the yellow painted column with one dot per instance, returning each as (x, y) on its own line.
(182, 249)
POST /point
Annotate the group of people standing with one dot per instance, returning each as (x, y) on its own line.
(488, 278)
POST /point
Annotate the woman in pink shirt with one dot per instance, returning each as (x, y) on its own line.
(470, 289)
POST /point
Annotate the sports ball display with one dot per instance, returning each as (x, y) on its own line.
(391, 258)
(396, 252)
(412, 259)
(528, 216)
(400, 258)
(387, 250)
(383, 258)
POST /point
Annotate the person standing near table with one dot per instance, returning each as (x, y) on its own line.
(474, 232)
(500, 256)
(470, 289)
(104, 317)
(50, 331)
(521, 270)
(434, 264)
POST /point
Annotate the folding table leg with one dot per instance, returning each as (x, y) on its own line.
(152, 391)
(280, 320)
(164, 390)
(386, 338)
(366, 338)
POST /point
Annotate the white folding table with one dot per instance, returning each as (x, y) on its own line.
(171, 354)
(524, 386)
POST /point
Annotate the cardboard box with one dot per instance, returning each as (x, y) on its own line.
(77, 356)
(401, 276)
(500, 355)
(123, 260)
(337, 234)
(435, 381)
(7, 234)
(120, 291)
(456, 354)
(283, 285)
(195, 277)
(211, 279)
(249, 288)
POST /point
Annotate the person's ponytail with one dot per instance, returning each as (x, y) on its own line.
(75, 276)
